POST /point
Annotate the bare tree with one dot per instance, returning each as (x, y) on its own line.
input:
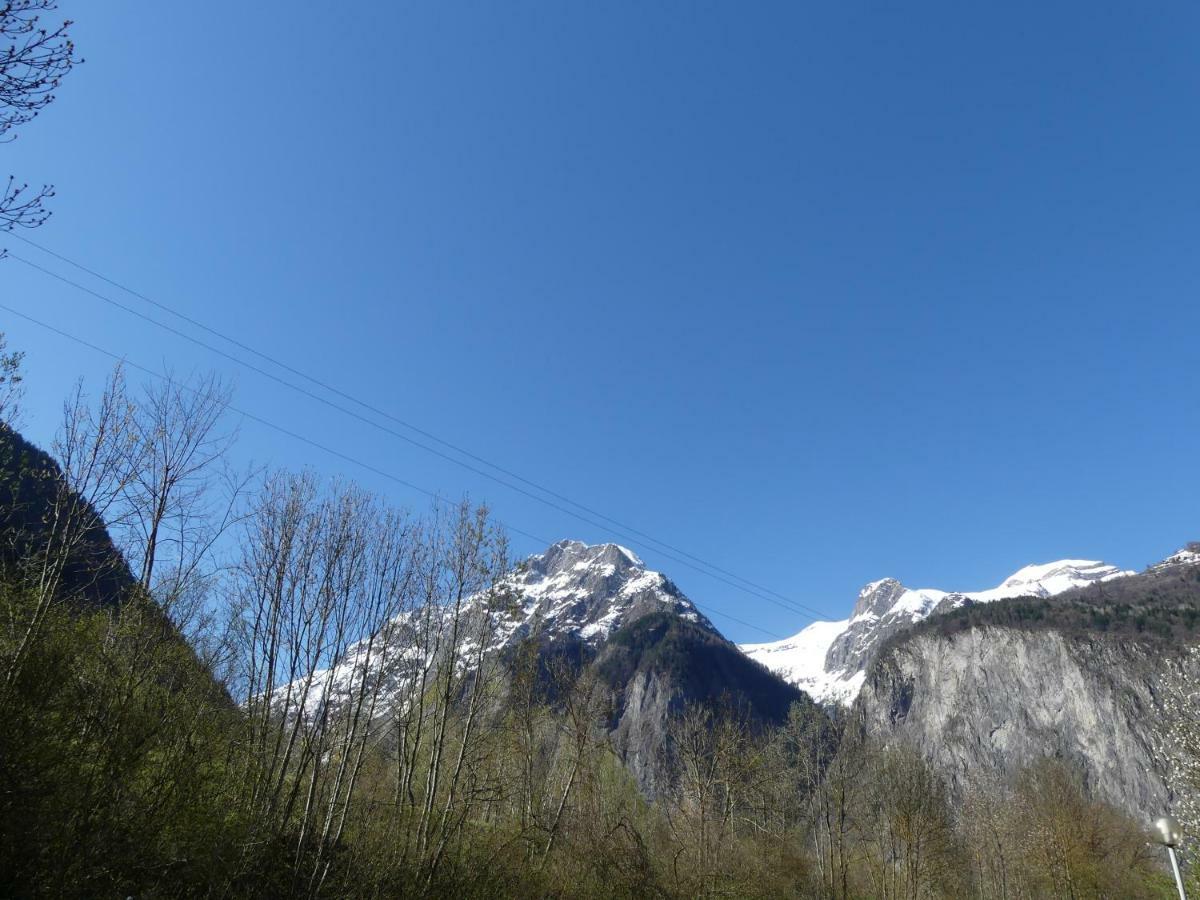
(11, 382)
(714, 757)
(581, 738)
(905, 827)
(73, 554)
(836, 791)
(359, 628)
(173, 512)
(34, 59)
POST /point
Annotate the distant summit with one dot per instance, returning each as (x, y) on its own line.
(828, 660)
(1189, 555)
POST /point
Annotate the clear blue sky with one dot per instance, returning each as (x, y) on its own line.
(820, 292)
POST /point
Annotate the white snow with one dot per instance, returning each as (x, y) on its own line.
(1186, 556)
(630, 555)
(555, 603)
(800, 659)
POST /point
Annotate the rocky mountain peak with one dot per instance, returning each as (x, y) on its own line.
(578, 557)
(589, 590)
(878, 597)
(829, 659)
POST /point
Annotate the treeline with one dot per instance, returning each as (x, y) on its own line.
(288, 688)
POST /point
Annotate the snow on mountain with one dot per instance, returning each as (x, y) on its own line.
(1187, 556)
(800, 659)
(828, 660)
(572, 591)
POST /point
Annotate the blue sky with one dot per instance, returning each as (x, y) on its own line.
(817, 292)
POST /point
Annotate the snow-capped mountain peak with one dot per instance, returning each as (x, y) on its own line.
(572, 592)
(829, 659)
(877, 598)
(1189, 555)
(1054, 578)
(589, 591)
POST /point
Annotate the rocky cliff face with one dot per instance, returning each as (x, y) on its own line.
(829, 660)
(652, 647)
(983, 698)
(993, 700)
(659, 664)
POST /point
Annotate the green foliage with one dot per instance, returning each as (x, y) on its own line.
(111, 758)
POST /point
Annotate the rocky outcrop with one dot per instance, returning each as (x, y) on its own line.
(1083, 676)
(659, 664)
(993, 700)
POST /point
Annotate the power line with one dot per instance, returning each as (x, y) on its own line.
(789, 605)
(754, 589)
(330, 450)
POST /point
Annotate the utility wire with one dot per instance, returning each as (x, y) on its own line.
(754, 590)
(784, 604)
(380, 412)
(330, 450)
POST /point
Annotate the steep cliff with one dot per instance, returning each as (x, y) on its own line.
(987, 689)
(659, 663)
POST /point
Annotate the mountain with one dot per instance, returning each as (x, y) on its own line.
(829, 660)
(578, 592)
(1085, 677)
(32, 495)
(600, 607)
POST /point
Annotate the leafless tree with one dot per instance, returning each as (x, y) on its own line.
(905, 827)
(11, 383)
(34, 59)
(181, 496)
(714, 760)
(93, 475)
(580, 740)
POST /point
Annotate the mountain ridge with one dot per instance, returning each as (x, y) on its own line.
(598, 606)
(829, 659)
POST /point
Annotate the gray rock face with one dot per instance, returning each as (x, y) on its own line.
(878, 598)
(993, 699)
(878, 614)
(829, 659)
(647, 703)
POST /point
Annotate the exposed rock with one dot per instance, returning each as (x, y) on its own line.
(829, 660)
(993, 700)
(979, 698)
